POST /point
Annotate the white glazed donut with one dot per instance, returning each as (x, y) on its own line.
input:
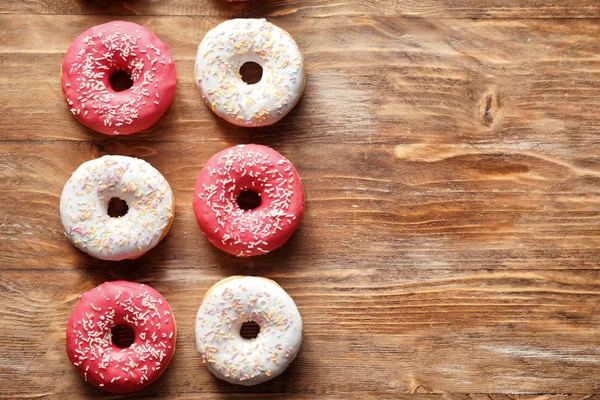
(230, 303)
(84, 204)
(230, 45)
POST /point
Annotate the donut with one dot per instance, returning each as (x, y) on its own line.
(84, 206)
(230, 303)
(90, 346)
(247, 169)
(118, 46)
(230, 45)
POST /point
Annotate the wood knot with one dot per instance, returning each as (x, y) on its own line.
(98, 149)
(490, 110)
(422, 389)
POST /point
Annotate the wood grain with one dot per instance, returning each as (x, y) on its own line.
(432, 331)
(450, 156)
(501, 9)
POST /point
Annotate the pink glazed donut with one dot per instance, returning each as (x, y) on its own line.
(244, 169)
(103, 50)
(89, 336)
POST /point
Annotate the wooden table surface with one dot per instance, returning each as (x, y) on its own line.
(450, 155)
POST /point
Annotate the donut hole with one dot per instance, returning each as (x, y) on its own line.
(251, 72)
(249, 330)
(117, 208)
(120, 80)
(122, 336)
(248, 200)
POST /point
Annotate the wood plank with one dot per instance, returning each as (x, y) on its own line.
(502, 9)
(448, 214)
(368, 331)
(417, 83)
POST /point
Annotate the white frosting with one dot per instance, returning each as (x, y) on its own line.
(228, 355)
(84, 204)
(230, 45)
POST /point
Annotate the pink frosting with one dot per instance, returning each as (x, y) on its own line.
(89, 339)
(104, 49)
(248, 232)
